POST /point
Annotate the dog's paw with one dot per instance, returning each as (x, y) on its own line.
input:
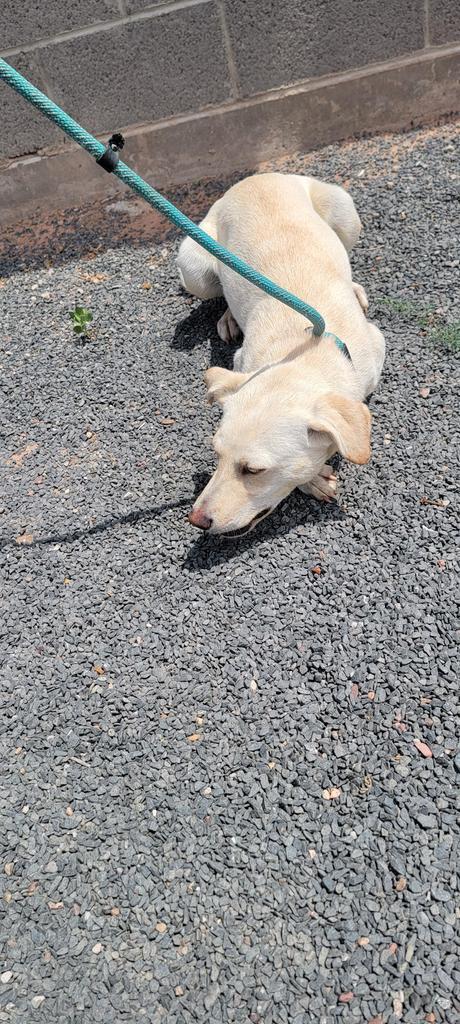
(361, 296)
(227, 328)
(323, 487)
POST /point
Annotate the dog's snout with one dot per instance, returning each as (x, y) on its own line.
(199, 518)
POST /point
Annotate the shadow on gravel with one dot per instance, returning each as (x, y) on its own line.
(208, 552)
(201, 325)
(205, 552)
(143, 515)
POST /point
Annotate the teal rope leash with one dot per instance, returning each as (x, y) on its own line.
(154, 198)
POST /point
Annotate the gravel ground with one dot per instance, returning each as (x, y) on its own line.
(229, 781)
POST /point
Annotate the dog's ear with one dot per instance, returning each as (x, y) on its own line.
(222, 383)
(348, 423)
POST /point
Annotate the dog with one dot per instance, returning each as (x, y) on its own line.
(292, 400)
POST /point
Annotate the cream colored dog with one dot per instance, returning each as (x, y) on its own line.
(292, 400)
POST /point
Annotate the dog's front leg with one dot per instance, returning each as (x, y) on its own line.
(323, 487)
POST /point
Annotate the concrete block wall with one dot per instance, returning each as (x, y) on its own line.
(126, 63)
(119, 64)
(114, 63)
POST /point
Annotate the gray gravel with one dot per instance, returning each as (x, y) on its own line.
(217, 796)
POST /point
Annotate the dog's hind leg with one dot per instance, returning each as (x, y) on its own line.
(361, 296)
(227, 328)
(238, 360)
(198, 270)
(337, 208)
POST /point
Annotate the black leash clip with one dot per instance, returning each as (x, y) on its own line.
(109, 158)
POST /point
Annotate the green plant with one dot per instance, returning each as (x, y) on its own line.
(427, 320)
(448, 335)
(423, 315)
(80, 318)
(403, 306)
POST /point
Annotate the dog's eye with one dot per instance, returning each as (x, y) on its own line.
(248, 469)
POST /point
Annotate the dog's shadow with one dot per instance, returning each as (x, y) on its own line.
(207, 552)
(199, 327)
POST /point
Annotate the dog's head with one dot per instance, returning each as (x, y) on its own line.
(273, 437)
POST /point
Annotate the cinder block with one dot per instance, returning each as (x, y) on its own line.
(142, 71)
(23, 129)
(444, 21)
(278, 42)
(32, 20)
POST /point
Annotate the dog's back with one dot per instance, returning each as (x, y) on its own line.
(294, 230)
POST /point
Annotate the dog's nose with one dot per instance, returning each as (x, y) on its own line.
(199, 518)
